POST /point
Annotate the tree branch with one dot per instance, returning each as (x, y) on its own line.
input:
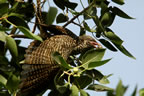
(79, 14)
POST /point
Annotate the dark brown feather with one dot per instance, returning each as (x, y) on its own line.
(40, 69)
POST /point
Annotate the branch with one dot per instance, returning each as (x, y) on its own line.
(19, 36)
(79, 14)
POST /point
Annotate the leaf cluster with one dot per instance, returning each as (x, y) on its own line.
(80, 74)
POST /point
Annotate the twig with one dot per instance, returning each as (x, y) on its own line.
(19, 36)
(77, 24)
(79, 14)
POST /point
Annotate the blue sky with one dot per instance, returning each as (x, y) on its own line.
(131, 31)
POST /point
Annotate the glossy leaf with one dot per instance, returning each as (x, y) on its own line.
(82, 81)
(124, 51)
(134, 92)
(121, 2)
(59, 59)
(108, 44)
(94, 64)
(28, 33)
(107, 19)
(113, 37)
(120, 13)
(92, 56)
(120, 90)
(96, 87)
(12, 83)
(141, 92)
(11, 45)
(96, 75)
(62, 88)
(61, 18)
(83, 93)
(3, 80)
(51, 15)
(2, 36)
(88, 28)
(74, 90)
(90, 12)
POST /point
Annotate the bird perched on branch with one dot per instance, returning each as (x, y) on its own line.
(39, 68)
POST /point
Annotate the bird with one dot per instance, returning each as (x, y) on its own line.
(39, 68)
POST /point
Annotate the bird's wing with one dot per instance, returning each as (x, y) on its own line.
(39, 69)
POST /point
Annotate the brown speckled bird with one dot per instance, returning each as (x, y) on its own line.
(40, 69)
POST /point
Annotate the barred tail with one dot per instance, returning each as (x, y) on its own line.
(36, 78)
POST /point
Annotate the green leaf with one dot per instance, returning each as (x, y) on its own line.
(90, 12)
(4, 29)
(70, 5)
(74, 90)
(88, 28)
(59, 59)
(120, 13)
(97, 87)
(3, 80)
(2, 36)
(17, 21)
(113, 37)
(141, 92)
(62, 88)
(16, 15)
(28, 33)
(3, 8)
(94, 64)
(83, 93)
(60, 4)
(120, 90)
(124, 51)
(51, 15)
(134, 92)
(121, 2)
(108, 44)
(82, 31)
(107, 19)
(104, 80)
(12, 83)
(92, 56)
(61, 18)
(95, 74)
(11, 45)
(65, 3)
(82, 81)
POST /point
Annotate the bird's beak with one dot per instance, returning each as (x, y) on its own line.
(95, 44)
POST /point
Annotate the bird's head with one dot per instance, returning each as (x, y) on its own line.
(85, 43)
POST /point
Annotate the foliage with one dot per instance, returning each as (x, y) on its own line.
(15, 17)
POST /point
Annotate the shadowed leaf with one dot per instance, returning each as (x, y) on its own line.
(61, 18)
(82, 81)
(120, 13)
(108, 44)
(96, 87)
(121, 2)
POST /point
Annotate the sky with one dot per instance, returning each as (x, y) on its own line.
(122, 67)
